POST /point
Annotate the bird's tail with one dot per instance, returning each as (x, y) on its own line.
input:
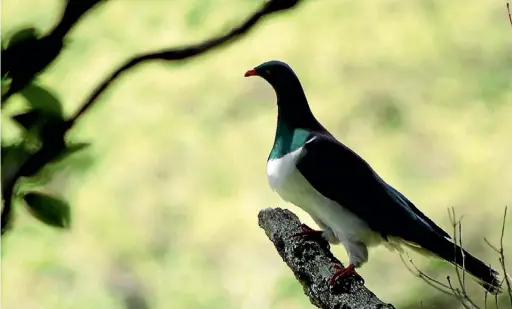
(447, 250)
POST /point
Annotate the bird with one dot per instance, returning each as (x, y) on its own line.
(353, 206)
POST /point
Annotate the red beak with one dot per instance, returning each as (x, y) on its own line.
(251, 73)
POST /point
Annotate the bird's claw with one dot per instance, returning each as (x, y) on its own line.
(309, 233)
(342, 272)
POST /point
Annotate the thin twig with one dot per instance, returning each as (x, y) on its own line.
(462, 293)
(509, 14)
(502, 257)
(454, 223)
(463, 255)
(490, 245)
(436, 284)
(501, 252)
(458, 293)
(457, 238)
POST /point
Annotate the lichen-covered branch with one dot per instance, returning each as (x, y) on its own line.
(311, 263)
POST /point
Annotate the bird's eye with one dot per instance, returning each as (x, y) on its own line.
(267, 72)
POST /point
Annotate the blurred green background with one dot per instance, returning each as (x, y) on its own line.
(166, 212)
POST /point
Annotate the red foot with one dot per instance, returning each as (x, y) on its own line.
(309, 232)
(342, 272)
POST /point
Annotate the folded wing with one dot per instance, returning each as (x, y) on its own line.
(341, 175)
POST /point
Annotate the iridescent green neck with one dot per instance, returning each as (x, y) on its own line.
(287, 139)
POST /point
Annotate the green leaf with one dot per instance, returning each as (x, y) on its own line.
(42, 99)
(48, 209)
(6, 83)
(24, 34)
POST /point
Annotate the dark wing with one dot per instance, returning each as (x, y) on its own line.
(418, 212)
(341, 175)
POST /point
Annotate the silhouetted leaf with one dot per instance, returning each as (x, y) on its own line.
(8, 151)
(50, 150)
(13, 156)
(69, 150)
(29, 119)
(42, 99)
(48, 209)
(22, 35)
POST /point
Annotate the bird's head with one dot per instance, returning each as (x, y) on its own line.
(282, 78)
(291, 101)
(275, 72)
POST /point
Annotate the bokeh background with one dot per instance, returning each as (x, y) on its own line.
(165, 202)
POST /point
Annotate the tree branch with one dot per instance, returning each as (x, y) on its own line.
(23, 64)
(53, 142)
(311, 263)
(181, 53)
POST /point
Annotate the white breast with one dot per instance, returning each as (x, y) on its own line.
(279, 170)
(288, 182)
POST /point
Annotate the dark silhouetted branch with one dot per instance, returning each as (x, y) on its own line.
(181, 53)
(311, 263)
(25, 60)
(22, 67)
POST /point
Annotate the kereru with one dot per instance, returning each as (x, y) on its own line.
(351, 204)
